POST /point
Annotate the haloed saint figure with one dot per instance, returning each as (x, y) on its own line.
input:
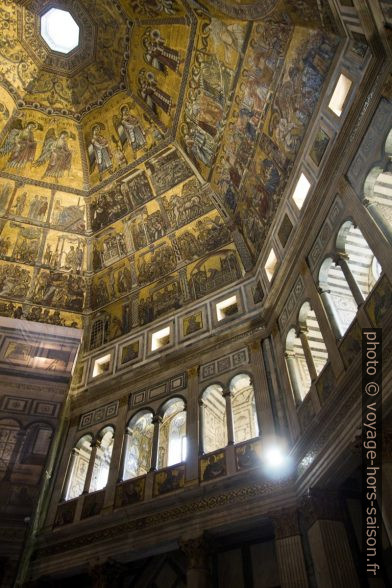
(99, 150)
(129, 129)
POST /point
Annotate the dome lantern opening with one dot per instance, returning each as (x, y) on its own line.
(59, 30)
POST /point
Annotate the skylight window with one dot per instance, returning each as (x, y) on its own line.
(59, 30)
(226, 308)
(270, 265)
(160, 338)
(340, 94)
(301, 191)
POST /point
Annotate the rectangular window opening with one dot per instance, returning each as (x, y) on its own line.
(226, 308)
(270, 265)
(101, 365)
(160, 338)
(340, 93)
(301, 191)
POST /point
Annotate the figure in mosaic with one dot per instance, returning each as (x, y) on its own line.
(129, 129)
(56, 154)
(158, 54)
(20, 144)
(152, 95)
(99, 151)
(5, 193)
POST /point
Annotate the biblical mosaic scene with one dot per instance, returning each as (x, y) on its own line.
(195, 230)
(104, 206)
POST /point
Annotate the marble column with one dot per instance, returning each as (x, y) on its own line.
(227, 395)
(156, 420)
(119, 449)
(201, 426)
(126, 440)
(71, 465)
(289, 550)
(271, 370)
(350, 279)
(330, 549)
(261, 391)
(329, 305)
(192, 425)
(294, 377)
(282, 370)
(302, 333)
(196, 551)
(87, 483)
(326, 328)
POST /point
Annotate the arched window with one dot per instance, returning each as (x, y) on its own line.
(378, 191)
(9, 430)
(346, 281)
(139, 444)
(172, 434)
(214, 418)
(338, 299)
(102, 459)
(313, 337)
(77, 468)
(244, 408)
(363, 264)
(297, 366)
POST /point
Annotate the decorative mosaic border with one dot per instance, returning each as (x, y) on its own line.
(174, 384)
(28, 406)
(103, 413)
(224, 364)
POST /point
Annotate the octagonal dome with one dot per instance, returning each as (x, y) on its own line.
(59, 30)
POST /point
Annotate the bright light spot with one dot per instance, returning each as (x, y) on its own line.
(270, 265)
(274, 457)
(101, 365)
(276, 461)
(340, 94)
(306, 462)
(301, 191)
(226, 308)
(160, 338)
(177, 451)
(59, 30)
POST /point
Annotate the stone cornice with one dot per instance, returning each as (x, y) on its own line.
(218, 500)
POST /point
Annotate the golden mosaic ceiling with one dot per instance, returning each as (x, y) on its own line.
(69, 84)
(122, 161)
